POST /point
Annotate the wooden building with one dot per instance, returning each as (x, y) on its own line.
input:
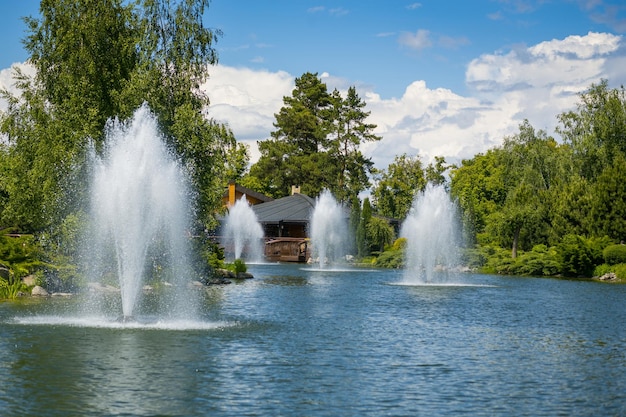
(285, 223)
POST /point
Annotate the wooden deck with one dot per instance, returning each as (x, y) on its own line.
(287, 249)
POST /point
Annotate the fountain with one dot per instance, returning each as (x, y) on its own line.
(140, 214)
(432, 237)
(329, 230)
(243, 233)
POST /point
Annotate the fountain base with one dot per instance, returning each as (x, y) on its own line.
(126, 319)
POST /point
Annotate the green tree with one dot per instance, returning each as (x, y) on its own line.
(397, 186)
(84, 52)
(608, 201)
(316, 143)
(380, 233)
(355, 219)
(98, 60)
(362, 240)
(596, 130)
(349, 131)
(530, 170)
(435, 171)
(478, 186)
(293, 155)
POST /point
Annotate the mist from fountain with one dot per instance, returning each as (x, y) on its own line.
(140, 213)
(243, 233)
(329, 230)
(433, 238)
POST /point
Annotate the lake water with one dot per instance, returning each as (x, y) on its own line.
(296, 342)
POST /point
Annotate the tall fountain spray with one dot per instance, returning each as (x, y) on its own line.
(329, 230)
(243, 232)
(140, 212)
(432, 237)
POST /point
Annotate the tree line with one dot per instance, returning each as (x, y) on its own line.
(562, 202)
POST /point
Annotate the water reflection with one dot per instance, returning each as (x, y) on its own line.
(307, 343)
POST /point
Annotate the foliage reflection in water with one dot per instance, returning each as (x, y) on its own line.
(298, 342)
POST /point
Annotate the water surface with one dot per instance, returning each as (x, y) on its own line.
(300, 342)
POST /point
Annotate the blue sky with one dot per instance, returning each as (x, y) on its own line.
(388, 44)
(448, 78)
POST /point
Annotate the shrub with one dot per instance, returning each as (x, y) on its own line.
(391, 259)
(602, 269)
(399, 244)
(10, 290)
(614, 254)
(576, 256)
(239, 266)
(620, 271)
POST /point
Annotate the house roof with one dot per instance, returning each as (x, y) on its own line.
(296, 208)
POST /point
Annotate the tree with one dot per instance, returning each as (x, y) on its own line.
(349, 131)
(316, 143)
(434, 172)
(292, 155)
(95, 61)
(363, 245)
(380, 233)
(397, 186)
(596, 130)
(84, 53)
(355, 219)
(608, 201)
(478, 186)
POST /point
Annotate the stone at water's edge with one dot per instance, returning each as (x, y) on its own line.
(29, 281)
(39, 291)
(609, 276)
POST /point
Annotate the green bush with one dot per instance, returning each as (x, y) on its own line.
(620, 271)
(576, 256)
(540, 261)
(602, 269)
(10, 290)
(399, 244)
(390, 259)
(614, 254)
(239, 266)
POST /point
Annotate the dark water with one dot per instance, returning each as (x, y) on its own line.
(293, 342)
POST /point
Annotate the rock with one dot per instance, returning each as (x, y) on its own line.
(225, 273)
(244, 275)
(4, 272)
(609, 276)
(197, 284)
(38, 291)
(148, 288)
(218, 281)
(61, 294)
(29, 281)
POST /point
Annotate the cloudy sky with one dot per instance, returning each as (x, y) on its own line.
(440, 77)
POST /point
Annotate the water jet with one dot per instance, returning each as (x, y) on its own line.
(140, 213)
(243, 234)
(329, 230)
(431, 230)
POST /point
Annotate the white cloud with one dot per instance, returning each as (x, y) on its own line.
(247, 100)
(418, 40)
(535, 83)
(7, 81)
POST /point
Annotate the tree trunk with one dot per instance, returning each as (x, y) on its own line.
(515, 242)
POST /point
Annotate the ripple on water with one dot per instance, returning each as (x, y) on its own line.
(142, 323)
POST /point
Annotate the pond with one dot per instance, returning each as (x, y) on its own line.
(299, 342)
